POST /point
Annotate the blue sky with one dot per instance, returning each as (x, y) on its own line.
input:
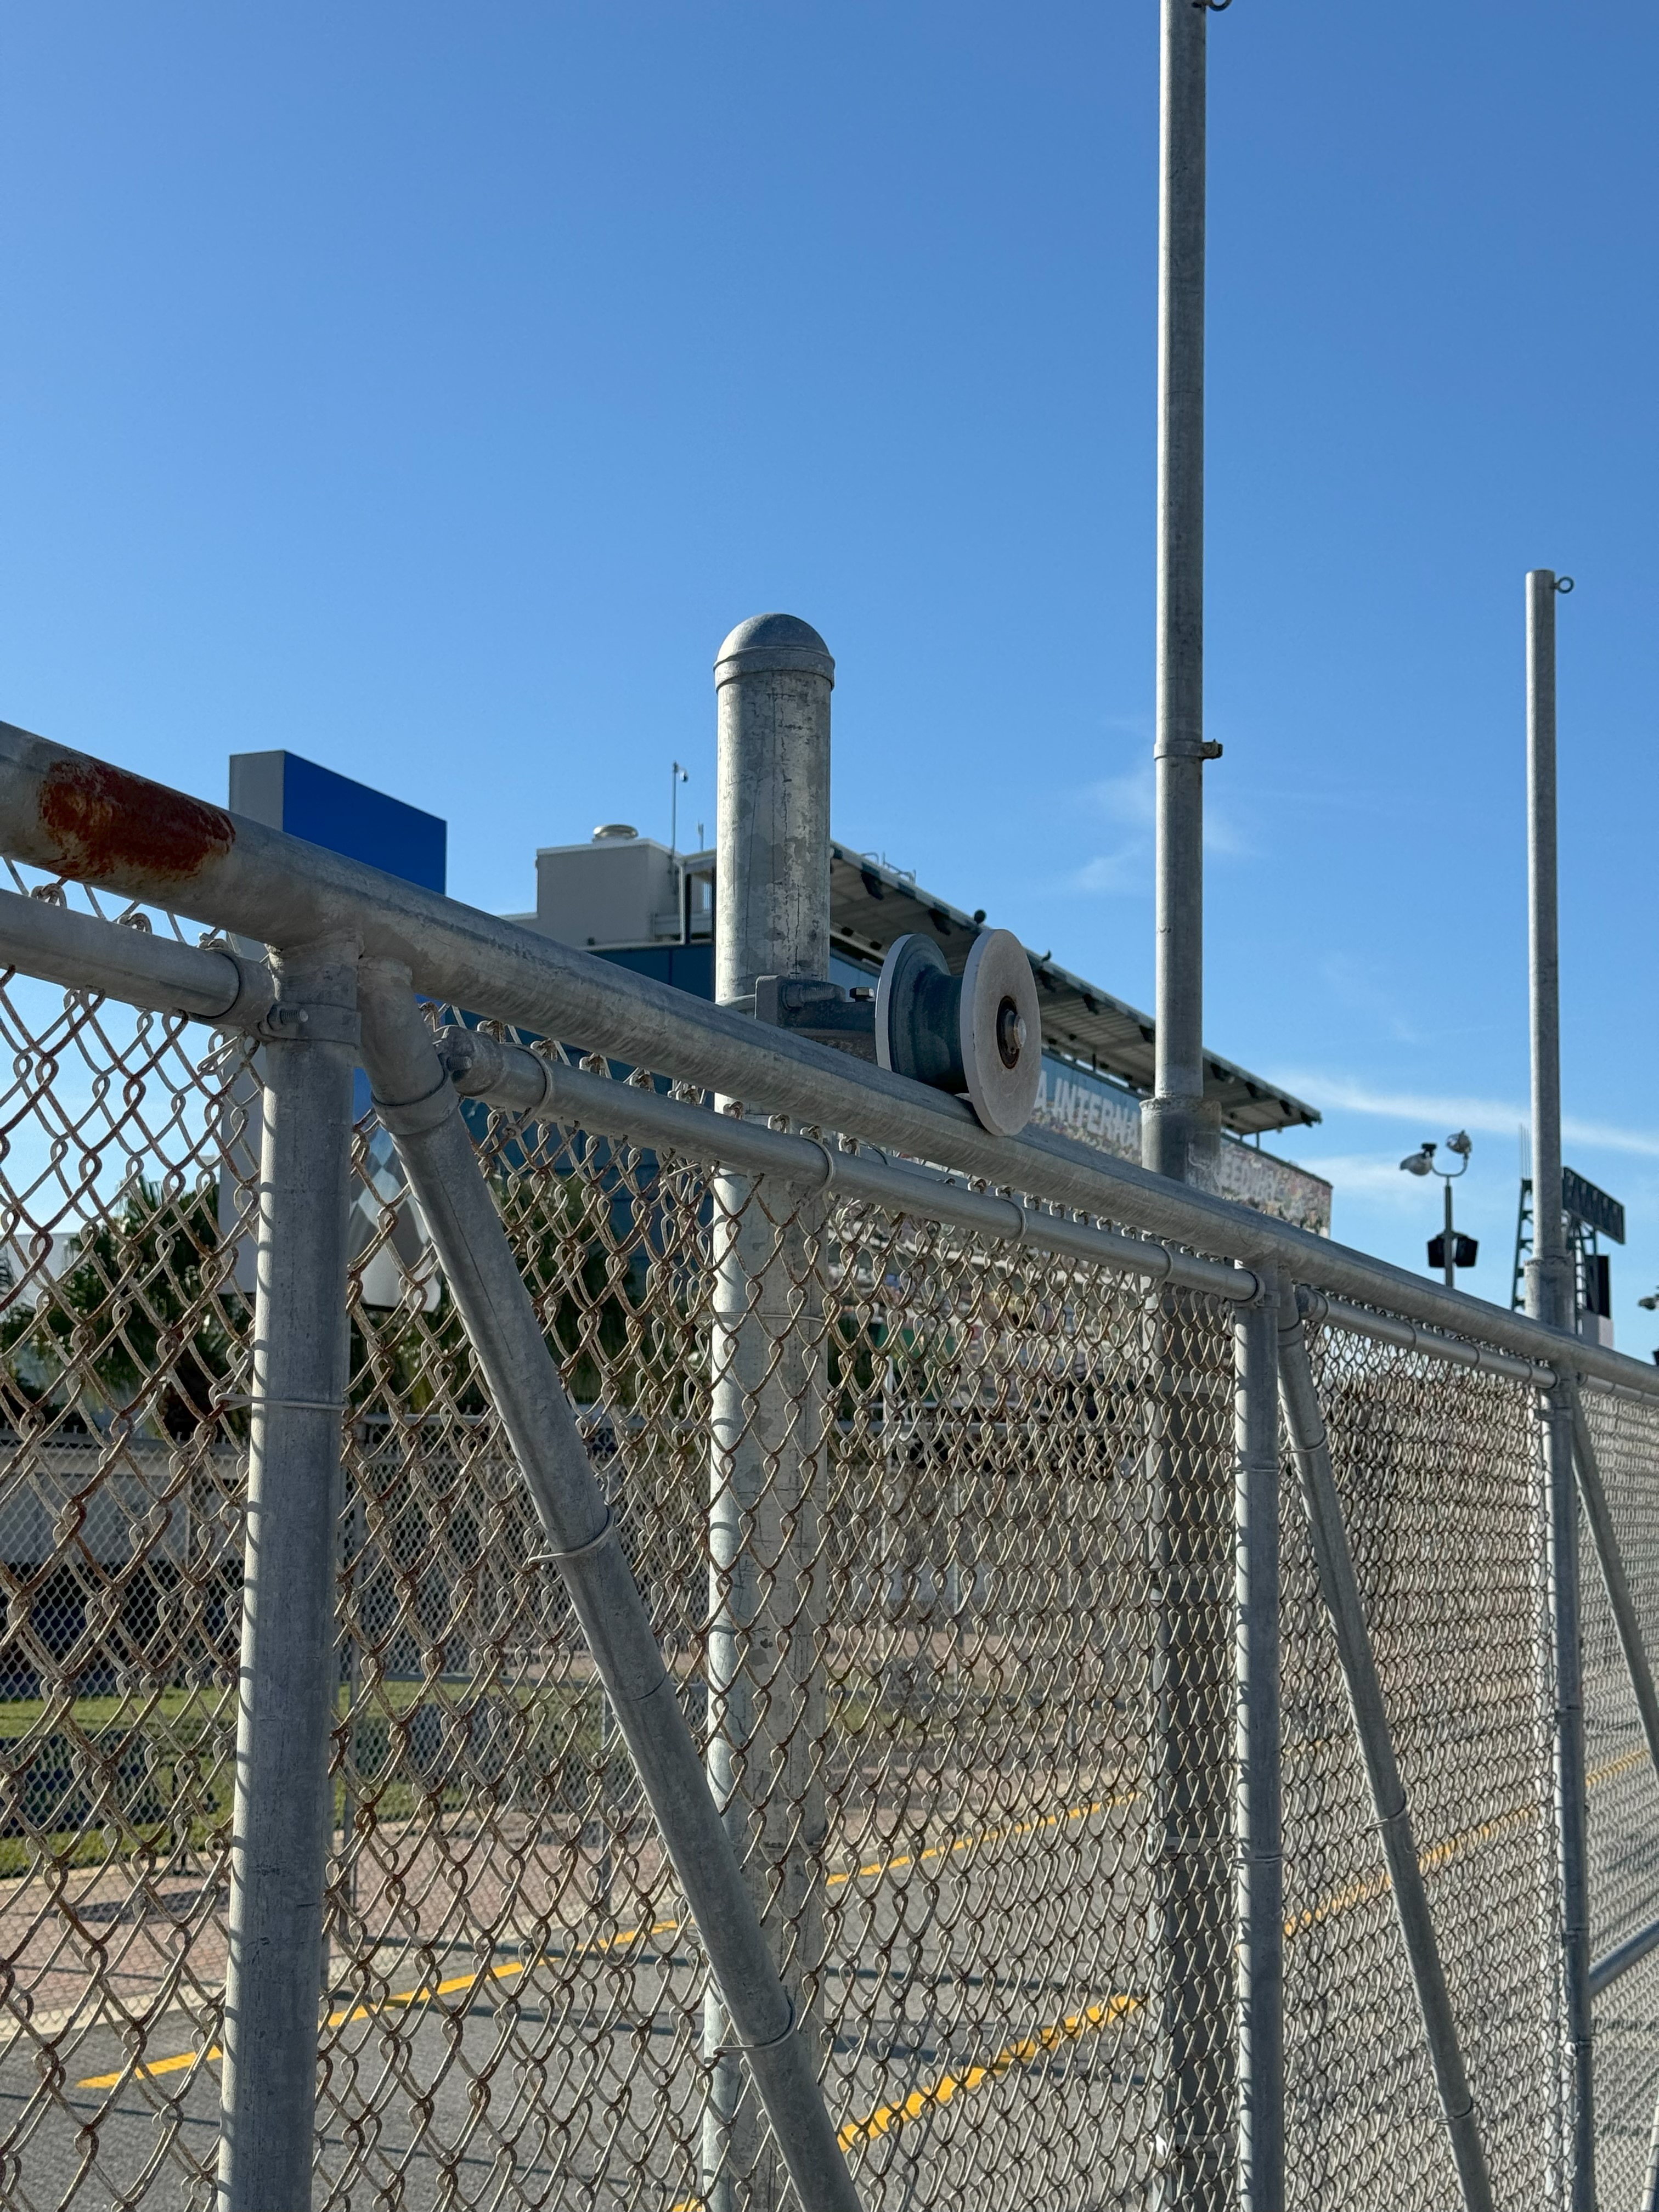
(429, 389)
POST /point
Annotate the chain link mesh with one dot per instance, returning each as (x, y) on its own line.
(937, 1535)
(925, 1536)
(1440, 1474)
(123, 1368)
(1624, 1797)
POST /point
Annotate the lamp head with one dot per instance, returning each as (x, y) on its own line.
(1462, 1144)
(1418, 1163)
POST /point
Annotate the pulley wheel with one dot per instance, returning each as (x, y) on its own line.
(1001, 1032)
(917, 1026)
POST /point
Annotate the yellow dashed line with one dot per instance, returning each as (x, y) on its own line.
(1616, 1767)
(512, 1966)
(1029, 2049)
(986, 1836)
(1380, 1883)
(1025, 2052)
(1341, 1901)
(504, 1972)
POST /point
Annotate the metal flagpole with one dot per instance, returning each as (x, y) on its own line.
(1549, 1299)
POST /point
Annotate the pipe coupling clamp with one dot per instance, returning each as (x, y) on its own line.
(252, 1000)
(418, 1117)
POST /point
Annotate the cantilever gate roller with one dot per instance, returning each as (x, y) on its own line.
(980, 1033)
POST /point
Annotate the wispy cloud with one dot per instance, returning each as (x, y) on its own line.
(1362, 1175)
(1370, 989)
(1491, 1116)
(1129, 799)
(1128, 802)
(1123, 871)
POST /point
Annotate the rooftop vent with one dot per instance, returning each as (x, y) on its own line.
(614, 830)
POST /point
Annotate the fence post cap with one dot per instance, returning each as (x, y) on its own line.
(773, 641)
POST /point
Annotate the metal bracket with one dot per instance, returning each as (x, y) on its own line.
(818, 1010)
(284, 1024)
(251, 1006)
(1266, 1290)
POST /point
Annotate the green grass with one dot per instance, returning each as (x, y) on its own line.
(153, 1736)
(20, 1716)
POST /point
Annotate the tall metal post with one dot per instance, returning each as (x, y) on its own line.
(1180, 1135)
(284, 1808)
(772, 679)
(1260, 1842)
(1549, 1273)
(1180, 1138)
(1549, 1299)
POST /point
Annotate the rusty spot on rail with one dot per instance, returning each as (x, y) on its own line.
(108, 825)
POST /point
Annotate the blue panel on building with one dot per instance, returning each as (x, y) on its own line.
(287, 793)
(687, 967)
(691, 966)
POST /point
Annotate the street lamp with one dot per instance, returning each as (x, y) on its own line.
(1449, 1251)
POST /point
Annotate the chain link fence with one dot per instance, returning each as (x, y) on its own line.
(1624, 1805)
(936, 1532)
(1443, 1491)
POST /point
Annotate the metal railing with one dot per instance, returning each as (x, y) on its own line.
(602, 1651)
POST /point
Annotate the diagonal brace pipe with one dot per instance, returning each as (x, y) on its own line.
(418, 1104)
(1340, 1591)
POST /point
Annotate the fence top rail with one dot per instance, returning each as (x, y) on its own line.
(82, 818)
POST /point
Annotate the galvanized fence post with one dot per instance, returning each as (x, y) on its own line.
(1179, 1133)
(772, 679)
(283, 1802)
(1549, 1298)
(1261, 1841)
(1180, 1138)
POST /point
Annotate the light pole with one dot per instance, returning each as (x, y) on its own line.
(1453, 1247)
(680, 775)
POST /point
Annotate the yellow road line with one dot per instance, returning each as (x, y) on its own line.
(1091, 2020)
(1373, 1886)
(503, 1972)
(1339, 1901)
(1438, 1855)
(1616, 1767)
(509, 1968)
(985, 1836)
(1096, 2017)
(1030, 2048)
